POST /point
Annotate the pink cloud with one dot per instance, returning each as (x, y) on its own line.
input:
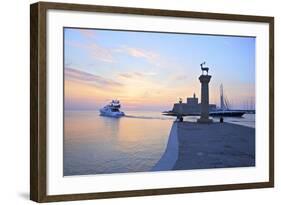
(90, 79)
(139, 75)
(125, 75)
(105, 54)
(86, 33)
(96, 51)
(140, 53)
(100, 53)
(148, 55)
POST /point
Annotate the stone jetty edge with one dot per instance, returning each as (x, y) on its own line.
(170, 156)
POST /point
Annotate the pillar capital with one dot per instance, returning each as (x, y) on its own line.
(205, 78)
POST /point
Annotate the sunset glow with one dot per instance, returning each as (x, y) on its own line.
(150, 71)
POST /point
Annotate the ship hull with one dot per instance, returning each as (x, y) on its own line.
(111, 114)
(228, 113)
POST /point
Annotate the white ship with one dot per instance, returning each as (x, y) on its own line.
(112, 109)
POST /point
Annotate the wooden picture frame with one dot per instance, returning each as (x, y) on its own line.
(38, 100)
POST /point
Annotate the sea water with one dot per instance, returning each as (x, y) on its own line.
(95, 144)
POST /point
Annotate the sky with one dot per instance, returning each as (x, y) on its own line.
(152, 70)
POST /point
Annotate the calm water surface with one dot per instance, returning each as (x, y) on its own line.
(94, 144)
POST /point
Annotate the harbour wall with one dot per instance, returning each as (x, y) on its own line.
(170, 156)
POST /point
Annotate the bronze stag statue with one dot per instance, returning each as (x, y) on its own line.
(204, 68)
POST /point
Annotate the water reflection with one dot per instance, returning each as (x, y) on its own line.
(94, 144)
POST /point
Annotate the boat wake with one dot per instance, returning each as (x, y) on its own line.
(149, 117)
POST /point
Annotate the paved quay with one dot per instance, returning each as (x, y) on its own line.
(214, 145)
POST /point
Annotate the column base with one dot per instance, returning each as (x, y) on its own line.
(202, 120)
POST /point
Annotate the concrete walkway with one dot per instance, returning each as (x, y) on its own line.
(214, 145)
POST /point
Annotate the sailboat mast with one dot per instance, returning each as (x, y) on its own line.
(221, 98)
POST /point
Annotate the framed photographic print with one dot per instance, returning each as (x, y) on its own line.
(134, 102)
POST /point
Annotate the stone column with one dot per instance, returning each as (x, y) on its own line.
(204, 118)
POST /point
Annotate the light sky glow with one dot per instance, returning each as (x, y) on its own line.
(150, 71)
